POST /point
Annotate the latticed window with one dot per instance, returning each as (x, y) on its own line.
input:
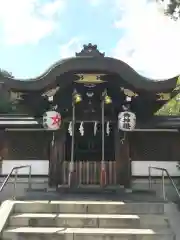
(27, 145)
(155, 146)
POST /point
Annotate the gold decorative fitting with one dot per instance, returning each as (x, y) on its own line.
(163, 96)
(90, 78)
(107, 99)
(15, 96)
(77, 98)
(128, 92)
(51, 92)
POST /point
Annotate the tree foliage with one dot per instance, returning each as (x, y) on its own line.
(173, 8)
(4, 73)
(171, 108)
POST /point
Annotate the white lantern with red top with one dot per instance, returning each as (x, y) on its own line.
(52, 120)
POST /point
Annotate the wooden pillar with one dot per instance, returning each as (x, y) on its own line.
(56, 158)
(3, 144)
(123, 163)
(117, 154)
(3, 148)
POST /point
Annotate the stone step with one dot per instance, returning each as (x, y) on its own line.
(91, 207)
(75, 220)
(30, 233)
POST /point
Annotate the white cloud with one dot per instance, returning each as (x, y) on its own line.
(150, 41)
(70, 48)
(28, 21)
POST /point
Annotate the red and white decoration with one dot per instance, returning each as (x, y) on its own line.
(126, 121)
(52, 120)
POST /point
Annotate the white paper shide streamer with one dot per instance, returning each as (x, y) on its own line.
(95, 128)
(108, 128)
(70, 129)
(81, 128)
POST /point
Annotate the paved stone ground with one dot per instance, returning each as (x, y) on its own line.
(92, 194)
(39, 186)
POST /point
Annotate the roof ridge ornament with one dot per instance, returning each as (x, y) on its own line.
(90, 50)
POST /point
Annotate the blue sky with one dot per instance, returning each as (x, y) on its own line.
(36, 33)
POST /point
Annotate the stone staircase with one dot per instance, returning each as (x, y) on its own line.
(79, 220)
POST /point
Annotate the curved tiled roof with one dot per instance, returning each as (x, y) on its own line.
(89, 63)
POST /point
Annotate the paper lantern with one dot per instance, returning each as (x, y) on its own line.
(52, 120)
(126, 121)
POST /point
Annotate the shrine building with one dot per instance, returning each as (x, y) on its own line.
(89, 118)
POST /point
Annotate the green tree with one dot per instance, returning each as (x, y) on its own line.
(6, 105)
(171, 108)
(173, 8)
(4, 73)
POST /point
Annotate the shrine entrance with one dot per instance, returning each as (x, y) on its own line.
(88, 154)
(89, 149)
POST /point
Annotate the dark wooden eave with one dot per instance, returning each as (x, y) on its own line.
(90, 60)
(156, 122)
(161, 122)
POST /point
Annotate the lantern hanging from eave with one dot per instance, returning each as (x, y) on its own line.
(51, 120)
(126, 121)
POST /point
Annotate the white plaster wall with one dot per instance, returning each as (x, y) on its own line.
(140, 168)
(41, 167)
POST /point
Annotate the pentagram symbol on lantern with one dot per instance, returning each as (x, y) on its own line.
(56, 119)
(52, 120)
